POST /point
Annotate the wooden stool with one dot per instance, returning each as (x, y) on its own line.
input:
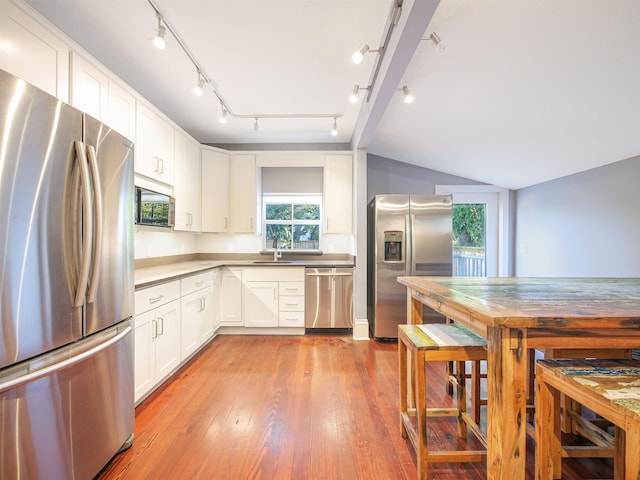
(609, 388)
(436, 342)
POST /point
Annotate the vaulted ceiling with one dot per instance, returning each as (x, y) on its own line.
(525, 91)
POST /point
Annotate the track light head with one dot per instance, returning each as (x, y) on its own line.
(223, 115)
(353, 98)
(197, 90)
(435, 40)
(159, 40)
(408, 98)
(359, 54)
(334, 130)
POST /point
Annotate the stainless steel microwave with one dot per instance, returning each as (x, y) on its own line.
(154, 209)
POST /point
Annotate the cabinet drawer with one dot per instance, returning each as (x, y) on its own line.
(291, 319)
(152, 297)
(291, 288)
(291, 304)
(196, 282)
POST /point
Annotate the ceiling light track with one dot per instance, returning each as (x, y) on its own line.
(204, 79)
(394, 17)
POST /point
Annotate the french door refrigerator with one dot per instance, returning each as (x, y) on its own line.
(66, 288)
(406, 235)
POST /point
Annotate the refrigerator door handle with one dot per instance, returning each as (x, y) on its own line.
(87, 224)
(98, 222)
(56, 367)
(409, 245)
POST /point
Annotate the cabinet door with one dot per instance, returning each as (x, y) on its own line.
(33, 53)
(154, 146)
(231, 298)
(167, 339)
(261, 304)
(207, 316)
(144, 355)
(338, 194)
(192, 306)
(122, 111)
(165, 145)
(242, 197)
(215, 191)
(89, 88)
(187, 176)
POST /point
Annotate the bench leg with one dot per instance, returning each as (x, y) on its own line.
(402, 365)
(548, 441)
(461, 397)
(632, 452)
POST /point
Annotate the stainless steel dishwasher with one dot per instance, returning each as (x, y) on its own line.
(328, 299)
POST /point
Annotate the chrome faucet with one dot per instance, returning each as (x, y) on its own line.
(276, 253)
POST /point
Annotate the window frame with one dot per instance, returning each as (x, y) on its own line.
(292, 199)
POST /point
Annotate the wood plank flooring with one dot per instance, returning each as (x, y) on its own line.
(291, 407)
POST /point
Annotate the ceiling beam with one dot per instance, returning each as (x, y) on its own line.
(412, 24)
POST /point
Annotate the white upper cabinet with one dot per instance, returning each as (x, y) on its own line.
(186, 189)
(242, 197)
(32, 52)
(215, 191)
(122, 110)
(89, 88)
(154, 145)
(338, 194)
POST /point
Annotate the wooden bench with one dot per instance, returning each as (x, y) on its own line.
(418, 344)
(609, 388)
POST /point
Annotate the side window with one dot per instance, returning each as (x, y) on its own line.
(294, 220)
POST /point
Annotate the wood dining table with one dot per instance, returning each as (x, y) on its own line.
(517, 314)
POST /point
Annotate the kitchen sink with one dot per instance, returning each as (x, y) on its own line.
(271, 262)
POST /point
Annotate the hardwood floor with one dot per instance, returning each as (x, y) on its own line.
(290, 407)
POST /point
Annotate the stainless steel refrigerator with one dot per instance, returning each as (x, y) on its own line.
(407, 235)
(66, 288)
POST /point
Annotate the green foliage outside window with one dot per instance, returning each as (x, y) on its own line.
(468, 225)
(295, 225)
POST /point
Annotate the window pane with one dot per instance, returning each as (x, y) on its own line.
(282, 232)
(306, 237)
(306, 212)
(278, 211)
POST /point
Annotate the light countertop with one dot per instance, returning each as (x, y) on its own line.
(148, 276)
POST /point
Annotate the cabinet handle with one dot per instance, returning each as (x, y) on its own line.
(289, 289)
(156, 299)
(199, 283)
(291, 304)
(154, 329)
(251, 223)
(157, 169)
(161, 323)
(226, 223)
(204, 303)
(161, 166)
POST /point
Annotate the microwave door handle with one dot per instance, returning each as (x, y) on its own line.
(98, 222)
(87, 224)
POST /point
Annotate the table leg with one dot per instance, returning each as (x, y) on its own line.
(632, 455)
(548, 442)
(421, 414)
(507, 399)
(402, 365)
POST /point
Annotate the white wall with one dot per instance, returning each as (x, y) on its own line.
(583, 225)
(152, 243)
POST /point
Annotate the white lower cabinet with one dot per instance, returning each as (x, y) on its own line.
(197, 312)
(273, 297)
(231, 298)
(157, 335)
(260, 304)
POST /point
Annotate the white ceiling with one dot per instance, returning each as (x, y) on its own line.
(526, 90)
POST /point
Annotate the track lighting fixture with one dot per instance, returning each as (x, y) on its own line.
(334, 130)
(159, 41)
(435, 40)
(223, 115)
(197, 90)
(408, 98)
(359, 54)
(164, 26)
(353, 98)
